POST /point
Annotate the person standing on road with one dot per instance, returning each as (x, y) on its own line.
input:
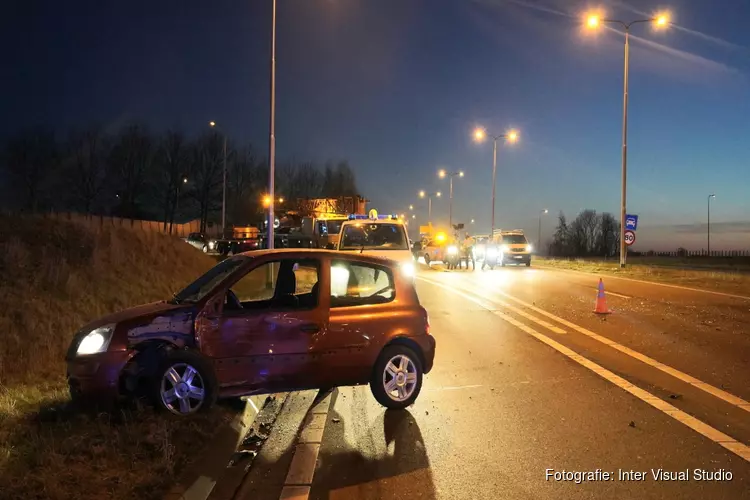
(467, 249)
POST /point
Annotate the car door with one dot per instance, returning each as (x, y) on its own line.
(265, 344)
(360, 294)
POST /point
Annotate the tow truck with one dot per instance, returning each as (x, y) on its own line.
(379, 235)
(324, 230)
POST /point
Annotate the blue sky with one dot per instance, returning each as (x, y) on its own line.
(396, 86)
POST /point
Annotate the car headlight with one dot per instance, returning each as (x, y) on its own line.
(506, 248)
(407, 268)
(491, 253)
(453, 249)
(96, 340)
(528, 248)
(211, 244)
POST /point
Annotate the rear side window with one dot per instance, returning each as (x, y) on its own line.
(359, 284)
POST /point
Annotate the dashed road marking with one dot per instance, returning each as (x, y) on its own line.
(718, 437)
(684, 377)
(668, 285)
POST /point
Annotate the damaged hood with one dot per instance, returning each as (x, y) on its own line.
(139, 314)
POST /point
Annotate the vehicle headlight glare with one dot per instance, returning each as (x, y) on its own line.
(452, 250)
(506, 248)
(211, 244)
(96, 340)
(407, 268)
(491, 253)
(529, 248)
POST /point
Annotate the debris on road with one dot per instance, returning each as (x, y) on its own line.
(336, 420)
(631, 424)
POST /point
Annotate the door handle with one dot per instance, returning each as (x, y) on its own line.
(310, 328)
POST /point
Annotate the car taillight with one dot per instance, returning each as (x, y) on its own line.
(426, 321)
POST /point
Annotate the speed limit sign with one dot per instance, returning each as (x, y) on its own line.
(629, 237)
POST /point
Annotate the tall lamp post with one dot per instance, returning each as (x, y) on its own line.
(272, 132)
(480, 135)
(429, 196)
(708, 228)
(594, 21)
(224, 188)
(443, 174)
(539, 237)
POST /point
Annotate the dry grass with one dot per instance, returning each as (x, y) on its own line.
(717, 279)
(58, 275)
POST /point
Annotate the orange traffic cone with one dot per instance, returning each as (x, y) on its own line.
(601, 300)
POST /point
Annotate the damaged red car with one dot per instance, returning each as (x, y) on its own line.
(270, 321)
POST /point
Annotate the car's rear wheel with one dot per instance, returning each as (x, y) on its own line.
(528, 264)
(397, 377)
(184, 384)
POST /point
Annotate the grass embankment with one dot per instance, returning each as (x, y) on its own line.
(710, 274)
(57, 276)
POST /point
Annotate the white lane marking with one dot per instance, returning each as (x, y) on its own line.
(302, 469)
(698, 426)
(688, 379)
(668, 285)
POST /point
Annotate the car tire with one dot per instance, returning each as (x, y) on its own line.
(397, 365)
(184, 384)
(528, 264)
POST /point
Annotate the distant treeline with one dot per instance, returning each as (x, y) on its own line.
(590, 234)
(138, 174)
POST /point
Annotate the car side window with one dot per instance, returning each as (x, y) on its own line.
(285, 283)
(358, 283)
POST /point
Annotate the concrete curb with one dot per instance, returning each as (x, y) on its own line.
(200, 478)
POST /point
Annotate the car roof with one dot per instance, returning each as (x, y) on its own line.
(319, 253)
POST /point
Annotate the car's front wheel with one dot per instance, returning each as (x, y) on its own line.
(397, 377)
(184, 384)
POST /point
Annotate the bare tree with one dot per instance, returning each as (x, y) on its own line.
(86, 167)
(607, 235)
(583, 232)
(30, 160)
(561, 239)
(246, 181)
(172, 165)
(207, 172)
(131, 160)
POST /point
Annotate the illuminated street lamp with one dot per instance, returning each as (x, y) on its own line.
(708, 230)
(594, 21)
(480, 134)
(429, 196)
(539, 238)
(443, 174)
(212, 124)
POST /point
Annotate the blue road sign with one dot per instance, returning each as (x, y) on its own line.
(631, 222)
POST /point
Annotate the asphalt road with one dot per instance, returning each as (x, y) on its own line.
(505, 403)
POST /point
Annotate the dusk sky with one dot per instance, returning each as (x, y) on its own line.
(396, 87)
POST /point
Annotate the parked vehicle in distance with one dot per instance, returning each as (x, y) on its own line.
(262, 322)
(199, 241)
(378, 235)
(514, 248)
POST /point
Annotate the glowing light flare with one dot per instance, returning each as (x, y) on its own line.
(441, 174)
(512, 136)
(593, 21)
(480, 134)
(212, 124)
(662, 20)
(422, 194)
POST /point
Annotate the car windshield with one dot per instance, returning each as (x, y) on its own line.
(198, 289)
(373, 237)
(514, 239)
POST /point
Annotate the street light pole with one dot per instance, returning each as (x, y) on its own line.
(429, 196)
(624, 180)
(442, 174)
(224, 194)
(272, 133)
(494, 177)
(479, 135)
(708, 228)
(593, 22)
